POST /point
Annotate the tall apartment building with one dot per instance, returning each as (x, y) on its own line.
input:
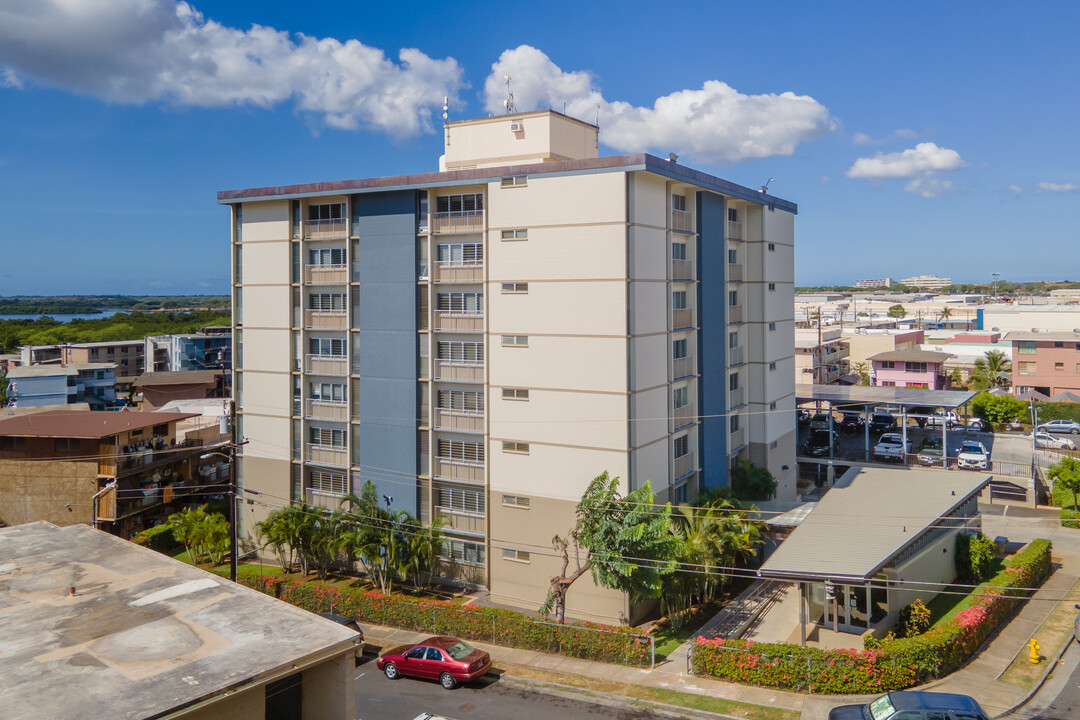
(876, 283)
(929, 282)
(482, 341)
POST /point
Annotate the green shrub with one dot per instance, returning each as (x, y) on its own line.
(885, 665)
(914, 619)
(1070, 518)
(158, 538)
(591, 641)
(974, 558)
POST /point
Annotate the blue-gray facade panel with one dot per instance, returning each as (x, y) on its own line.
(714, 430)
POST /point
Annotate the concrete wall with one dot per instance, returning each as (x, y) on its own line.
(33, 490)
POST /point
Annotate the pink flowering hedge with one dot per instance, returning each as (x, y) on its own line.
(890, 664)
(591, 641)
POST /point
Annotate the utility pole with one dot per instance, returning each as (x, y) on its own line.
(1034, 453)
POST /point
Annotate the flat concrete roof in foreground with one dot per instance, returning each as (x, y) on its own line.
(142, 635)
(870, 395)
(866, 519)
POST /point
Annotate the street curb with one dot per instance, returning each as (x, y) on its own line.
(1038, 686)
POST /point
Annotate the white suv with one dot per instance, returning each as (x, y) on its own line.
(973, 456)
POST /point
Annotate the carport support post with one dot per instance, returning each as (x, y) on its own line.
(866, 434)
(945, 439)
(804, 597)
(831, 432)
(903, 437)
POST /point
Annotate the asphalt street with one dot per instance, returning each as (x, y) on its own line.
(487, 699)
(1059, 699)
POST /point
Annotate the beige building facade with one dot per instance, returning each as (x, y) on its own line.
(483, 341)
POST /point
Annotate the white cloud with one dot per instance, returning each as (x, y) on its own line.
(1014, 190)
(138, 51)
(901, 134)
(924, 157)
(825, 179)
(928, 186)
(715, 123)
(1057, 187)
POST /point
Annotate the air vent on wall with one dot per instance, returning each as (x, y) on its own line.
(516, 127)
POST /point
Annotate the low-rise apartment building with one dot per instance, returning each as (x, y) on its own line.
(928, 282)
(909, 368)
(40, 385)
(866, 342)
(820, 355)
(877, 283)
(1045, 362)
(482, 341)
(153, 390)
(127, 355)
(208, 349)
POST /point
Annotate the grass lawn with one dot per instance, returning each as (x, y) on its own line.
(646, 695)
(1052, 635)
(955, 598)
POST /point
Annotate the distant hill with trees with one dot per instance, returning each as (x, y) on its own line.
(123, 326)
(87, 304)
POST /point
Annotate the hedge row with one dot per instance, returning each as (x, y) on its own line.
(591, 641)
(890, 664)
(159, 537)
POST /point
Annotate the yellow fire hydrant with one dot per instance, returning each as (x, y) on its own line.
(1034, 656)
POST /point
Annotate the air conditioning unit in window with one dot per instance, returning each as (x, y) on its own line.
(516, 127)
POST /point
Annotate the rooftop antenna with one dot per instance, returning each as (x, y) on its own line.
(597, 123)
(765, 187)
(508, 103)
(445, 116)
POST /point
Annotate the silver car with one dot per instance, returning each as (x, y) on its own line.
(1070, 427)
(1046, 440)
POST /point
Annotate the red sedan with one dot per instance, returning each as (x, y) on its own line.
(446, 659)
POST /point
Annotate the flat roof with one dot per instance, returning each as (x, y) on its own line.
(928, 356)
(1055, 336)
(866, 519)
(475, 176)
(143, 634)
(27, 371)
(179, 377)
(84, 423)
(871, 395)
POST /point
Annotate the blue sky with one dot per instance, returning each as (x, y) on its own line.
(916, 138)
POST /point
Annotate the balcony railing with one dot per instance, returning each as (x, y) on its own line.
(323, 499)
(327, 455)
(736, 398)
(734, 230)
(461, 221)
(328, 409)
(736, 440)
(684, 415)
(455, 321)
(684, 465)
(680, 221)
(325, 229)
(425, 416)
(459, 370)
(326, 274)
(467, 420)
(327, 364)
(683, 318)
(463, 470)
(735, 356)
(735, 272)
(682, 270)
(734, 313)
(326, 319)
(462, 521)
(449, 271)
(683, 367)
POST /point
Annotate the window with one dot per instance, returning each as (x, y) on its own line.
(472, 352)
(460, 500)
(1059, 366)
(733, 381)
(1078, 368)
(515, 394)
(327, 391)
(328, 483)
(327, 437)
(515, 341)
(678, 202)
(460, 204)
(681, 494)
(461, 400)
(915, 367)
(1026, 368)
(733, 298)
(732, 215)
(772, 247)
(732, 256)
(463, 450)
(515, 555)
(327, 211)
(733, 340)
(521, 448)
(515, 288)
(66, 444)
(681, 397)
(678, 349)
(1025, 347)
(460, 254)
(464, 552)
(772, 405)
(772, 287)
(678, 300)
(772, 326)
(327, 302)
(326, 256)
(772, 366)
(333, 347)
(773, 445)
(1059, 344)
(515, 181)
(734, 423)
(515, 234)
(678, 251)
(681, 446)
(888, 365)
(12, 443)
(515, 501)
(888, 383)
(460, 302)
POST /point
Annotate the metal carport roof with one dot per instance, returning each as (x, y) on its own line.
(871, 395)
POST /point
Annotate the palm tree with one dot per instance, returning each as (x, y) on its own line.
(185, 525)
(988, 371)
(945, 314)
(423, 546)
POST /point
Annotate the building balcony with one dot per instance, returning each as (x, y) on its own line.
(335, 229)
(462, 272)
(735, 272)
(471, 471)
(684, 416)
(681, 221)
(464, 420)
(328, 409)
(323, 499)
(682, 319)
(463, 521)
(425, 416)
(326, 274)
(459, 370)
(326, 319)
(683, 367)
(736, 356)
(734, 230)
(461, 221)
(455, 321)
(734, 313)
(684, 465)
(327, 455)
(736, 398)
(736, 441)
(836, 352)
(327, 364)
(682, 270)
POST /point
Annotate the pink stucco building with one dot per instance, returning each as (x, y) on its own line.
(1046, 362)
(909, 368)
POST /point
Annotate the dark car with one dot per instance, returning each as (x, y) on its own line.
(931, 452)
(851, 422)
(882, 423)
(819, 421)
(446, 659)
(912, 705)
(818, 443)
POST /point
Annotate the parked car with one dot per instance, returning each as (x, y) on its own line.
(851, 423)
(1061, 426)
(976, 424)
(1046, 440)
(820, 421)
(818, 443)
(882, 422)
(949, 419)
(931, 452)
(446, 659)
(891, 446)
(913, 705)
(973, 456)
